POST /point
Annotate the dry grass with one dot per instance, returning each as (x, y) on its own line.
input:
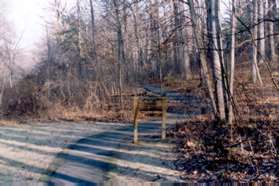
(60, 112)
(9, 122)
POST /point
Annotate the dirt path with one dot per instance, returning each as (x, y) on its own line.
(64, 152)
(111, 156)
(26, 151)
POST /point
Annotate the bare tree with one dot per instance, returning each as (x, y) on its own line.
(197, 30)
(261, 7)
(255, 72)
(93, 30)
(271, 26)
(156, 60)
(217, 63)
(120, 47)
(232, 60)
(178, 41)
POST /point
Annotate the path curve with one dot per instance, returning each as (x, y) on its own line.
(111, 157)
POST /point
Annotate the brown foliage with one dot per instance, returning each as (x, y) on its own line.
(23, 100)
(210, 153)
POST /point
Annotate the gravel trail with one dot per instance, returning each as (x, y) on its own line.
(111, 157)
(27, 151)
(87, 153)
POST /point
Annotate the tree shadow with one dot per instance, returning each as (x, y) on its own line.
(99, 154)
(108, 154)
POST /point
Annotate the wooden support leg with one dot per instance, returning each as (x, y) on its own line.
(135, 122)
(164, 117)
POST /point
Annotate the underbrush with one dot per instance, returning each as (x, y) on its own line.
(210, 153)
(60, 112)
(213, 151)
(70, 100)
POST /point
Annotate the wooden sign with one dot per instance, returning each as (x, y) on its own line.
(150, 104)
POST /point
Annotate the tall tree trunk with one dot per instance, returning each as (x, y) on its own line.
(255, 70)
(120, 48)
(155, 39)
(187, 60)
(49, 59)
(197, 31)
(271, 26)
(217, 66)
(178, 41)
(261, 5)
(209, 31)
(147, 40)
(232, 65)
(185, 56)
(93, 30)
(80, 41)
(224, 65)
(139, 61)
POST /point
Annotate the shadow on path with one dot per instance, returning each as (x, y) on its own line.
(111, 157)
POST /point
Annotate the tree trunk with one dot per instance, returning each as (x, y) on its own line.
(232, 65)
(155, 39)
(187, 65)
(178, 41)
(120, 49)
(217, 66)
(49, 59)
(185, 45)
(261, 30)
(197, 27)
(80, 42)
(223, 64)
(93, 30)
(255, 70)
(271, 26)
(139, 61)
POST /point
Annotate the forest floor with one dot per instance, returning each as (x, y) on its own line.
(245, 152)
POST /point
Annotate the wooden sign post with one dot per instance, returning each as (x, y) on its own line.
(159, 104)
(135, 113)
(164, 118)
